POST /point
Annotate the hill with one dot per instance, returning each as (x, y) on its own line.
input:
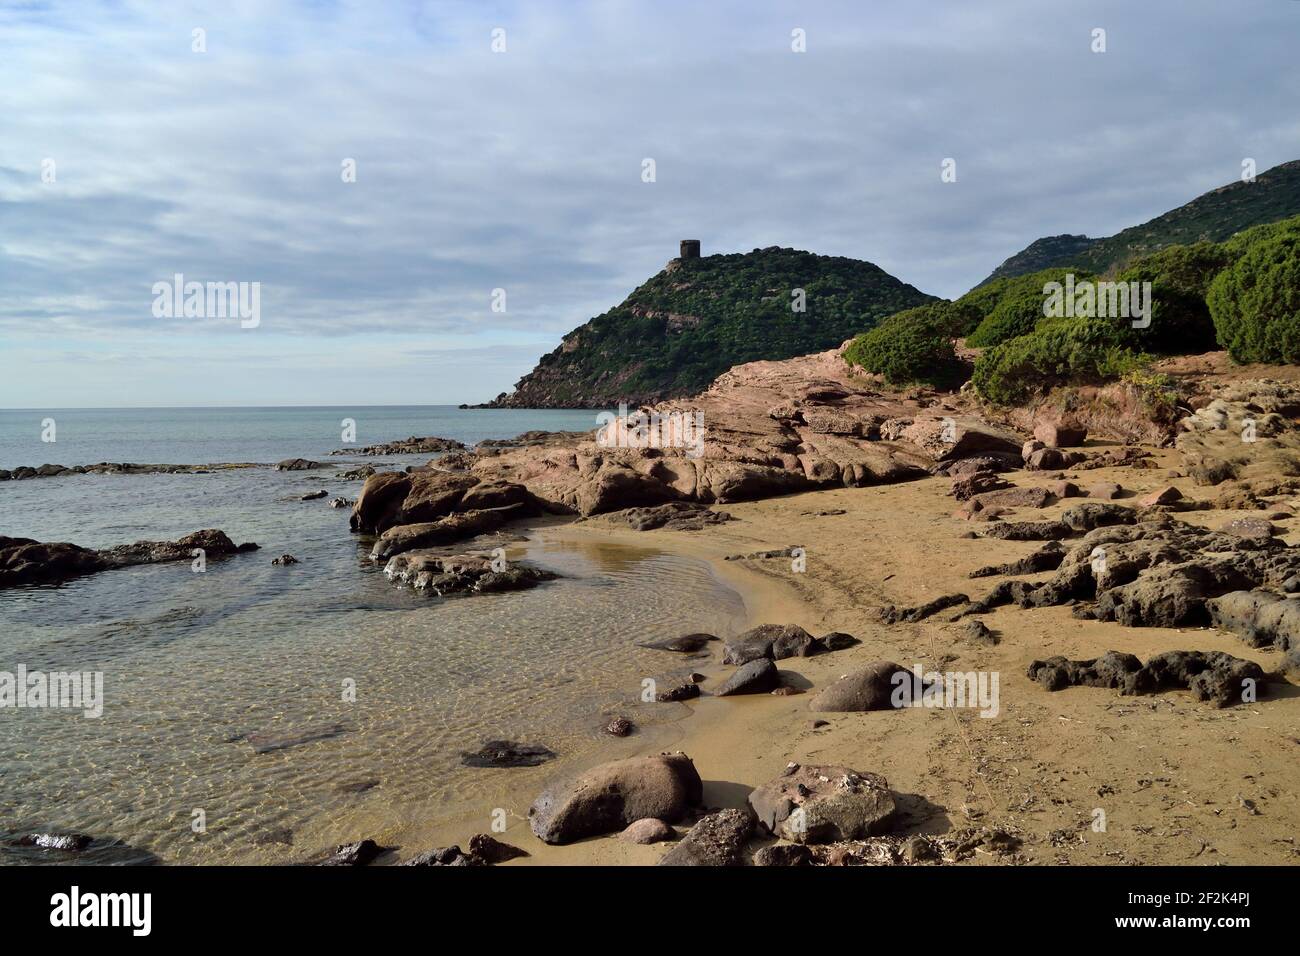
(1215, 216)
(699, 317)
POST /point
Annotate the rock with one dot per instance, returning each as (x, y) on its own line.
(1211, 676)
(299, 464)
(784, 854)
(1260, 618)
(918, 849)
(446, 574)
(313, 495)
(1096, 514)
(869, 688)
(1060, 435)
(441, 856)
(25, 561)
(776, 641)
(756, 677)
(969, 486)
(910, 615)
(67, 842)
(1051, 459)
(1066, 489)
(271, 743)
(673, 516)
(1162, 496)
(1046, 558)
(1016, 498)
(507, 753)
(444, 531)
(980, 633)
(1259, 530)
(647, 831)
(340, 503)
(686, 644)
(716, 840)
(405, 446)
(1106, 490)
(490, 851)
(619, 727)
(837, 641)
(360, 853)
(679, 692)
(958, 438)
(285, 560)
(612, 796)
(824, 804)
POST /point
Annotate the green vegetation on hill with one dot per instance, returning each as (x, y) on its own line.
(1213, 217)
(1017, 307)
(1243, 294)
(915, 345)
(1255, 302)
(677, 332)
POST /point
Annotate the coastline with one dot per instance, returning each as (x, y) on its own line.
(1176, 780)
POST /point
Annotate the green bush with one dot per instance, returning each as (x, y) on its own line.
(914, 345)
(1019, 307)
(1180, 277)
(1255, 303)
(1061, 352)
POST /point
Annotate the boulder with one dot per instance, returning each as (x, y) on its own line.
(716, 840)
(824, 804)
(1161, 496)
(757, 677)
(611, 796)
(299, 464)
(1105, 491)
(1060, 435)
(868, 688)
(775, 641)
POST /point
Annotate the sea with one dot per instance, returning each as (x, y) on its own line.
(262, 714)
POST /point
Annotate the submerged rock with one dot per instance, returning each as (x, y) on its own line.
(25, 561)
(361, 853)
(686, 644)
(507, 753)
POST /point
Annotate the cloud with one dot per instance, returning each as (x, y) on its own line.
(521, 170)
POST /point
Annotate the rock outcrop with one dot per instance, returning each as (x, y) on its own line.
(25, 561)
(823, 804)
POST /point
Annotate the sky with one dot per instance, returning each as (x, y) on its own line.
(129, 155)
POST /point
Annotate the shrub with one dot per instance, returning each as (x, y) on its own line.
(1061, 352)
(1255, 303)
(1019, 307)
(914, 345)
(1179, 277)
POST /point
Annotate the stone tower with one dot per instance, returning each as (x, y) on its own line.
(690, 249)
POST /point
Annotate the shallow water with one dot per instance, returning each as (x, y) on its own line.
(195, 663)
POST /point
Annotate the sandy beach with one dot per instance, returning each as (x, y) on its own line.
(1178, 781)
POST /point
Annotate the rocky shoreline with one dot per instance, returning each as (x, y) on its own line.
(1138, 591)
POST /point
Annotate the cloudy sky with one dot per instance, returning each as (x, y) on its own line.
(521, 170)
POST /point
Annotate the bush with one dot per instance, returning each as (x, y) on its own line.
(1061, 352)
(914, 345)
(1180, 277)
(1255, 303)
(1019, 307)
